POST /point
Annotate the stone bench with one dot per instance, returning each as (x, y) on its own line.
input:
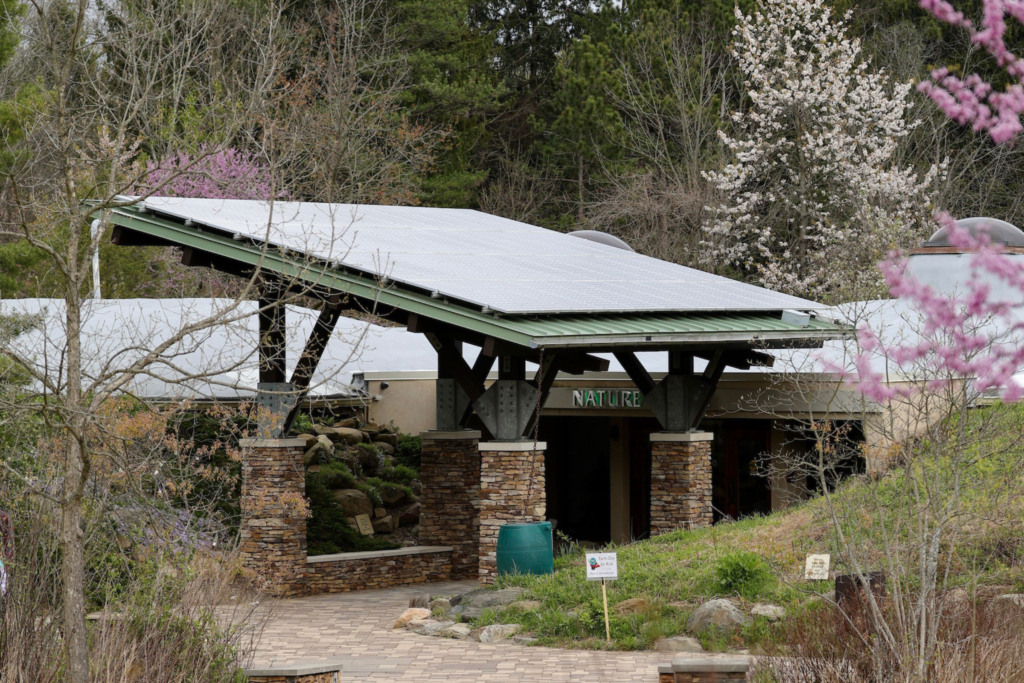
(312, 672)
(704, 670)
(343, 572)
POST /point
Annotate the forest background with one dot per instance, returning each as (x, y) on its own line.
(568, 114)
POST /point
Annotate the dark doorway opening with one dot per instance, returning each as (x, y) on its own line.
(578, 475)
(740, 485)
(640, 430)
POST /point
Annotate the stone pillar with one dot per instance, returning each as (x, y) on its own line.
(450, 496)
(511, 492)
(273, 534)
(680, 481)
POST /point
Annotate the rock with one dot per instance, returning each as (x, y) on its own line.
(440, 605)
(392, 497)
(379, 512)
(326, 445)
(313, 468)
(454, 600)
(716, 614)
(466, 611)
(494, 633)
(347, 423)
(482, 597)
(632, 606)
(421, 601)
(353, 502)
(769, 612)
(410, 515)
(385, 525)
(456, 631)
(371, 427)
(523, 639)
(310, 439)
(311, 456)
(1007, 599)
(525, 605)
(410, 614)
(322, 430)
(352, 522)
(384, 447)
(389, 439)
(678, 644)
(428, 627)
(349, 436)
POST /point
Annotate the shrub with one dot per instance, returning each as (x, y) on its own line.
(743, 573)
(409, 451)
(404, 474)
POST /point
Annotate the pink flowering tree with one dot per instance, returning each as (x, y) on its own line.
(225, 174)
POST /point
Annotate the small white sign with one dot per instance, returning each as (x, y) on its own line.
(816, 568)
(602, 567)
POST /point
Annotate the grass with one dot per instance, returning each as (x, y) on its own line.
(761, 559)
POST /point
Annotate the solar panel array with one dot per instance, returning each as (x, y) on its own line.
(466, 255)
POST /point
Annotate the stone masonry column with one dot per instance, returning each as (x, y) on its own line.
(450, 496)
(511, 492)
(680, 481)
(273, 534)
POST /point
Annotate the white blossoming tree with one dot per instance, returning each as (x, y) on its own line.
(815, 196)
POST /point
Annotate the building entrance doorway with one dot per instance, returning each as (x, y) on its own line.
(740, 485)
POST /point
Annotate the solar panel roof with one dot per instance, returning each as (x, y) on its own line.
(485, 260)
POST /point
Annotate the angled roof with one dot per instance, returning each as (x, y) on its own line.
(486, 275)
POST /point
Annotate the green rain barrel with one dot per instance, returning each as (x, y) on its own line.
(525, 549)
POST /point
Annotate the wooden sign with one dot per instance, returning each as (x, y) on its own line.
(364, 524)
(816, 568)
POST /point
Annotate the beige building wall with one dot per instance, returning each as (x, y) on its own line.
(407, 403)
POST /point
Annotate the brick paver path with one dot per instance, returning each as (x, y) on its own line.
(355, 628)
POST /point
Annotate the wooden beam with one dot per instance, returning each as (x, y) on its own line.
(710, 377)
(311, 355)
(481, 368)
(636, 371)
(449, 355)
(544, 379)
(272, 345)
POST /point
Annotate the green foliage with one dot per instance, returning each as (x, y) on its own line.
(327, 532)
(405, 475)
(409, 451)
(742, 573)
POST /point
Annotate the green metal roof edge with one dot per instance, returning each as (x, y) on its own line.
(525, 330)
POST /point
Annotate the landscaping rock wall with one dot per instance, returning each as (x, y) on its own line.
(449, 500)
(511, 491)
(680, 485)
(342, 576)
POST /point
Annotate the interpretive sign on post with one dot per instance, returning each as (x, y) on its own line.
(817, 567)
(603, 567)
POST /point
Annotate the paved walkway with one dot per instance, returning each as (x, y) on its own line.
(356, 629)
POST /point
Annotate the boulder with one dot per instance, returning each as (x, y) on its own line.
(323, 430)
(456, 631)
(525, 605)
(440, 606)
(353, 502)
(454, 600)
(392, 497)
(494, 633)
(326, 445)
(523, 639)
(349, 436)
(310, 439)
(410, 614)
(410, 515)
(384, 447)
(718, 614)
(428, 627)
(466, 611)
(347, 423)
(769, 612)
(483, 597)
(313, 468)
(389, 439)
(632, 606)
(678, 644)
(422, 601)
(379, 512)
(311, 456)
(371, 427)
(385, 525)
